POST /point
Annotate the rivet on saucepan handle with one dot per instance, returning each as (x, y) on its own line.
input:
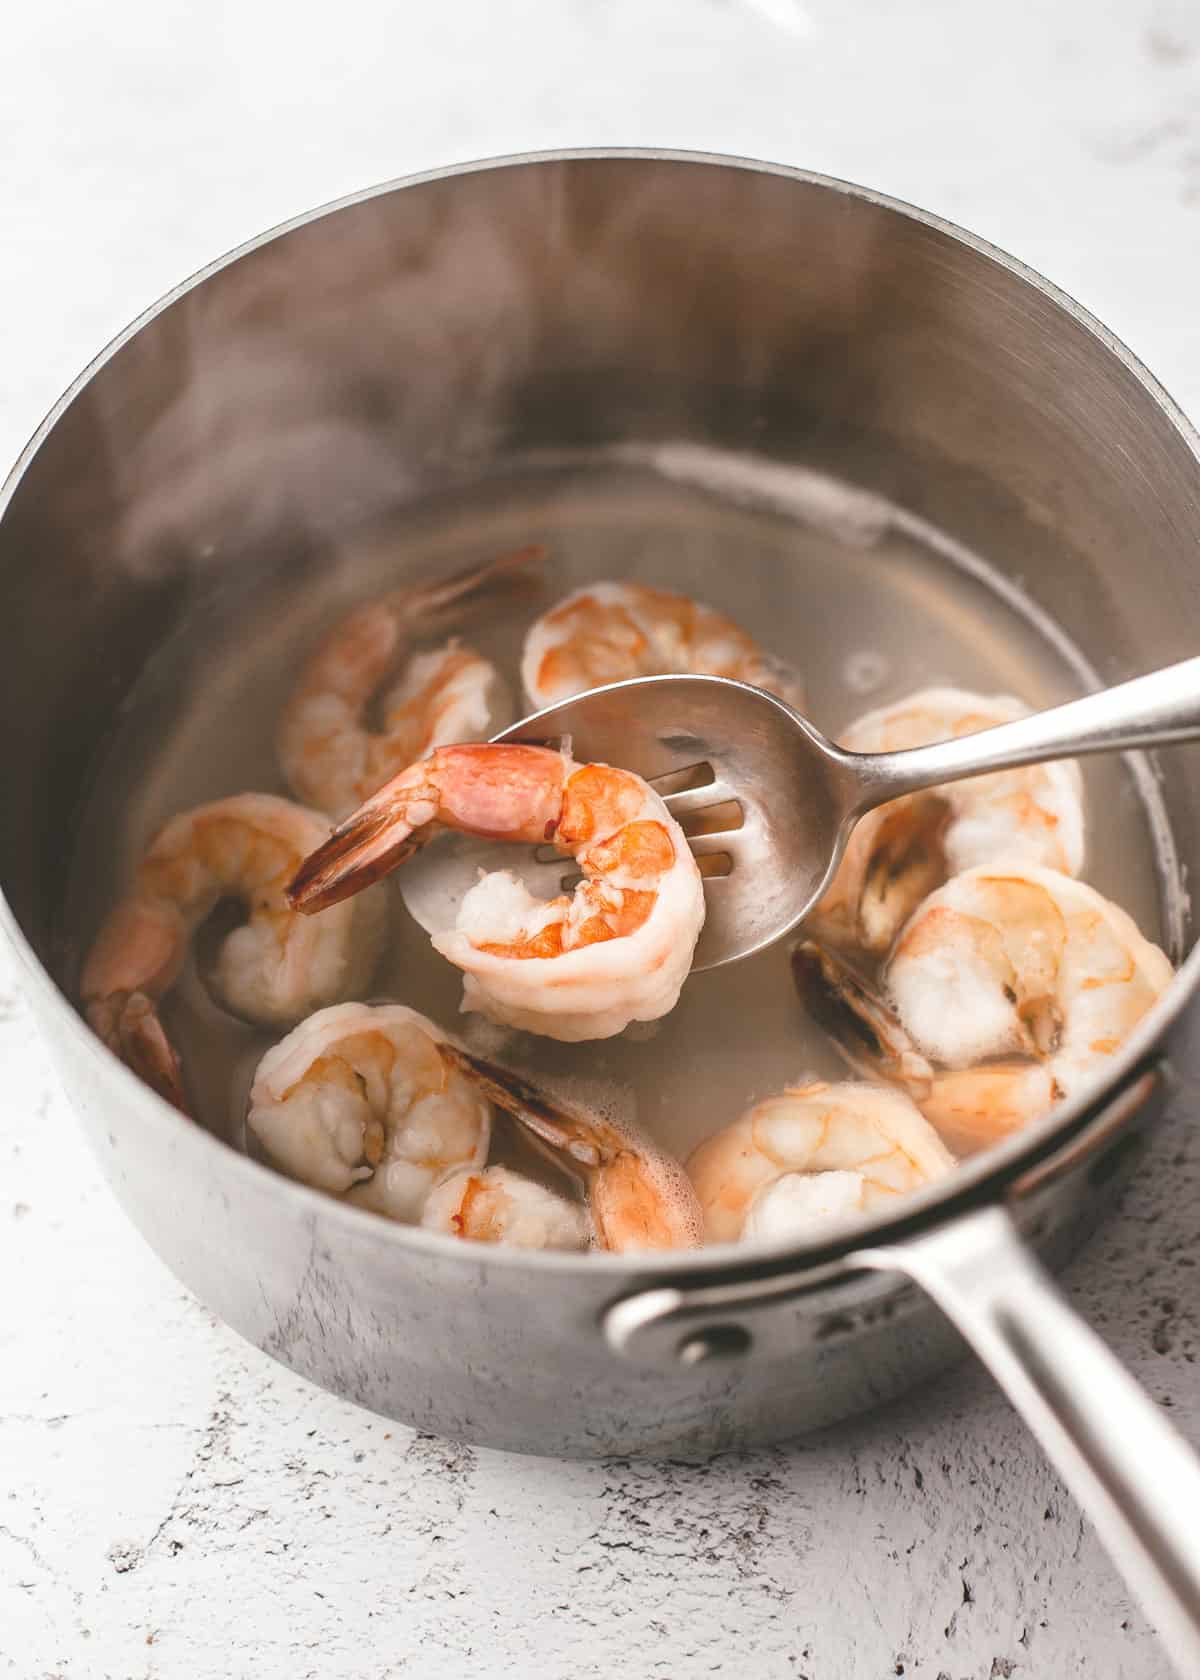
(720, 1341)
(768, 1317)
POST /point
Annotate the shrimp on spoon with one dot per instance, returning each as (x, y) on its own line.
(577, 966)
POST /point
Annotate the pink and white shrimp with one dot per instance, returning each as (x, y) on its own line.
(272, 970)
(330, 756)
(607, 632)
(359, 1101)
(1007, 991)
(574, 967)
(811, 1157)
(908, 847)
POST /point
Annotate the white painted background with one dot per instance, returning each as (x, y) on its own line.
(171, 1503)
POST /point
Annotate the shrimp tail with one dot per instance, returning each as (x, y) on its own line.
(131, 1028)
(907, 864)
(547, 1121)
(863, 1026)
(368, 845)
(426, 602)
(510, 791)
(636, 1209)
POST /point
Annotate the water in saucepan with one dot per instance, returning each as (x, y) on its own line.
(865, 602)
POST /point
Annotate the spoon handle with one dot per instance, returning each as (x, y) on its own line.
(1149, 711)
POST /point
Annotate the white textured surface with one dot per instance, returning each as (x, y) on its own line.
(171, 1503)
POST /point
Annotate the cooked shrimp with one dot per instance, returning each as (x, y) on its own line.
(571, 968)
(908, 847)
(813, 1156)
(498, 1205)
(610, 631)
(638, 1197)
(273, 970)
(330, 757)
(1006, 992)
(359, 1101)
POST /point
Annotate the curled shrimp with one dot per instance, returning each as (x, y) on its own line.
(902, 851)
(498, 1205)
(272, 970)
(578, 967)
(810, 1157)
(638, 1197)
(330, 756)
(1007, 990)
(359, 1101)
(610, 631)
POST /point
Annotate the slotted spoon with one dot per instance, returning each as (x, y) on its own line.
(766, 800)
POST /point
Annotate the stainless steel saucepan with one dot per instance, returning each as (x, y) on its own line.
(434, 330)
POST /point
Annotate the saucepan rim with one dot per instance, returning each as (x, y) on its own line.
(981, 1178)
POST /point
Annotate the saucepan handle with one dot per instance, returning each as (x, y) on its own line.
(1136, 1479)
